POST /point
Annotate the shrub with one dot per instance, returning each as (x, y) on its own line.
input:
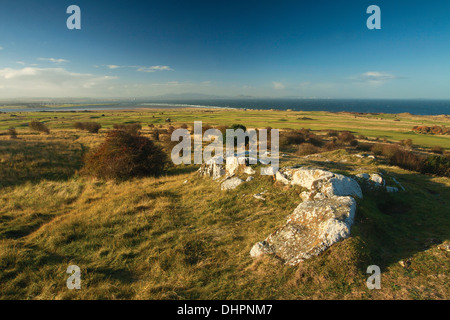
(236, 127)
(406, 142)
(12, 133)
(184, 126)
(332, 133)
(307, 148)
(92, 127)
(39, 126)
(151, 125)
(314, 139)
(364, 147)
(406, 160)
(346, 136)
(331, 145)
(437, 165)
(354, 143)
(124, 155)
(437, 149)
(290, 138)
(155, 135)
(132, 128)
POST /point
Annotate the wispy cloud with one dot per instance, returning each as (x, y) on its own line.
(154, 69)
(375, 78)
(53, 60)
(278, 85)
(113, 66)
(40, 82)
(1, 48)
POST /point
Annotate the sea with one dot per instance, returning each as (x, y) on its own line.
(416, 107)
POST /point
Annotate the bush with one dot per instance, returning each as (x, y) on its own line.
(346, 136)
(92, 127)
(437, 165)
(332, 133)
(307, 148)
(39, 126)
(314, 139)
(236, 127)
(12, 133)
(364, 147)
(155, 135)
(437, 149)
(124, 155)
(290, 138)
(406, 142)
(132, 128)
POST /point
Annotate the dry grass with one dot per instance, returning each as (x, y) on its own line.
(162, 238)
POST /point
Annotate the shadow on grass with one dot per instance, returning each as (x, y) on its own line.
(397, 226)
(22, 161)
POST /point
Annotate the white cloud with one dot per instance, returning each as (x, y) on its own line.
(53, 60)
(51, 82)
(374, 78)
(278, 85)
(113, 66)
(154, 68)
(1, 48)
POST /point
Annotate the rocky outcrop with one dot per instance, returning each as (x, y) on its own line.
(320, 183)
(310, 229)
(211, 169)
(231, 183)
(322, 219)
(376, 181)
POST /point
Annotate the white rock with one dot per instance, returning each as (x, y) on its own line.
(309, 177)
(312, 228)
(249, 179)
(283, 177)
(259, 197)
(268, 171)
(232, 165)
(231, 183)
(365, 176)
(341, 185)
(249, 170)
(259, 249)
(377, 179)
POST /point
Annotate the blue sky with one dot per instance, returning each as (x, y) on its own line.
(312, 49)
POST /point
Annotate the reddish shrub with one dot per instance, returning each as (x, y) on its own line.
(346, 136)
(124, 155)
(307, 148)
(92, 127)
(39, 126)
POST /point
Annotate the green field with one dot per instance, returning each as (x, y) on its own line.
(179, 237)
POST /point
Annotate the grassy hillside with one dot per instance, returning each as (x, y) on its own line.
(180, 237)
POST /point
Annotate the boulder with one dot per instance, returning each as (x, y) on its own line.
(232, 165)
(249, 170)
(312, 228)
(377, 179)
(259, 249)
(231, 183)
(211, 169)
(340, 185)
(308, 178)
